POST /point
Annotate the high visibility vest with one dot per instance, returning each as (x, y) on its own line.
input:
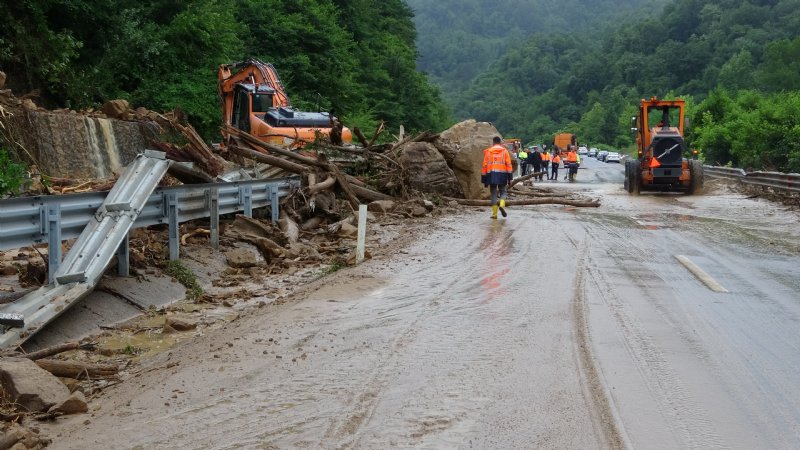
(572, 157)
(556, 159)
(546, 156)
(495, 160)
(522, 155)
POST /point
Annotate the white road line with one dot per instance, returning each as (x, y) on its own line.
(700, 274)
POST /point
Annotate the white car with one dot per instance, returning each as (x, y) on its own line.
(592, 152)
(613, 157)
(582, 150)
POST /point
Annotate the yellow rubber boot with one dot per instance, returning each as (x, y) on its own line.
(503, 207)
(494, 211)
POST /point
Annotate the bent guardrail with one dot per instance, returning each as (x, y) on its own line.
(788, 182)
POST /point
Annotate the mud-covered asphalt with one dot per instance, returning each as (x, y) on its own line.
(558, 327)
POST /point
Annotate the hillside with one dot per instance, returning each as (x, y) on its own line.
(459, 39)
(734, 61)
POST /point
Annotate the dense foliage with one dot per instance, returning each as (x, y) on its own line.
(12, 174)
(591, 85)
(459, 39)
(358, 56)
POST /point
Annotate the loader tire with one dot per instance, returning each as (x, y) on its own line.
(696, 182)
(635, 177)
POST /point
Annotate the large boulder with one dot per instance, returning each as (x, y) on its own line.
(29, 386)
(428, 171)
(462, 146)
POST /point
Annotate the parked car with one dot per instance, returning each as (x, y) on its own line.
(601, 156)
(613, 157)
(582, 150)
(592, 152)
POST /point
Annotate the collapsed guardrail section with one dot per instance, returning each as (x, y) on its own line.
(50, 219)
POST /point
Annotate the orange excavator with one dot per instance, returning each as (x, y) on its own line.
(662, 162)
(254, 101)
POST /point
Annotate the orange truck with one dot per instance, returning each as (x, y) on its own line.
(562, 140)
(255, 101)
(663, 160)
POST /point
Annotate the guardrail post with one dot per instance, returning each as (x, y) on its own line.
(246, 200)
(53, 241)
(273, 195)
(174, 226)
(123, 257)
(214, 206)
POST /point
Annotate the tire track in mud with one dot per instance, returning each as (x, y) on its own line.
(604, 418)
(660, 378)
(348, 430)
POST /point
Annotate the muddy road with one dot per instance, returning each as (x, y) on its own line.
(557, 327)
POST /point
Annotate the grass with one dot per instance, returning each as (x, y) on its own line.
(335, 266)
(186, 277)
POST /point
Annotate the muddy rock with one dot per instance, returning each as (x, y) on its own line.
(29, 386)
(181, 324)
(16, 437)
(348, 230)
(117, 109)
(74, 404)
(464, 142)
(381, 206)
(241, 257)
(418, 211)
(7, 268)
(428, 171)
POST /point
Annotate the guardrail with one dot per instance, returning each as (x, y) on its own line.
(26, 221)
(788, 182)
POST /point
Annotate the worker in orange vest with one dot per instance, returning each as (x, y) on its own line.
(554, 164)
(496, 174)
(546, 157)
(572, 161)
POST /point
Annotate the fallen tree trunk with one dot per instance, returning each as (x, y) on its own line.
(533, 201)
(50, 351)
(286, 165)
(526, 177)
(321, 186)
(75, 369)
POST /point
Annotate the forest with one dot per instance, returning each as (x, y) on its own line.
(531, 67)
(356, 58)
(737, 63)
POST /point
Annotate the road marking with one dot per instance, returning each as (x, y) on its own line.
(700, 274)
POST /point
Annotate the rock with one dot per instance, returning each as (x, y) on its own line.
(71, 384)
(428, 170)
(117, 109)
(348, 230)
(381, 206)
(74, 404)
(181, 324)
(2, 79)
(464, 143)
(29, 386)
(241, 258)
(428, 205)
(8, 268)
(28, 105)
(419, 211)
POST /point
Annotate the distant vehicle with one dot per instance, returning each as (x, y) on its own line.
(601, 156)
(561, 141)
(582, 150)
(613, 157)
(592, 152)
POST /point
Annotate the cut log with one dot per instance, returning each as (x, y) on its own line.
(526, 177)
(61, 348)
(288, 166)
(533, 201)
(76, 369)
(289, 228)
(321, 186)
(312, 223)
